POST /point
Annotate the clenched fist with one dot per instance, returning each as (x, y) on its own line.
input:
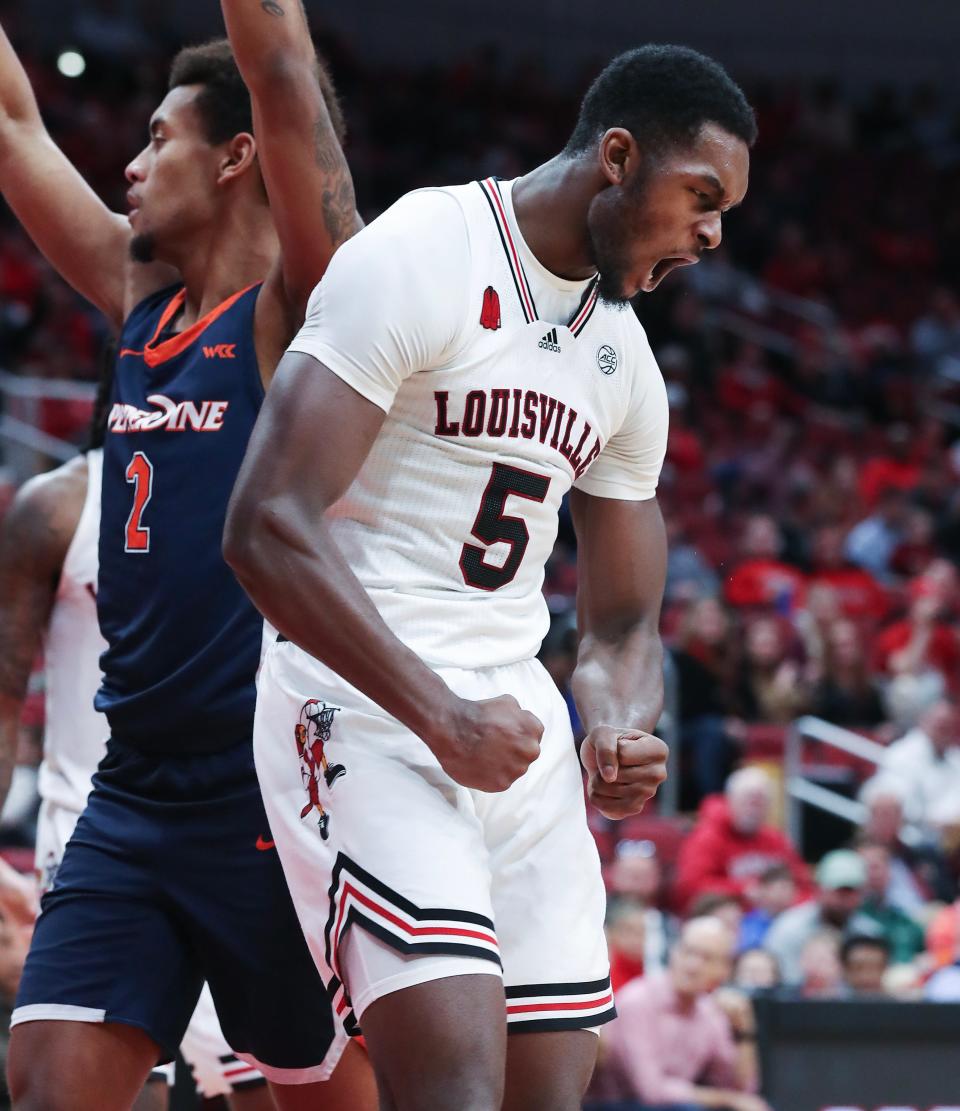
(624, 767)
(489, 743)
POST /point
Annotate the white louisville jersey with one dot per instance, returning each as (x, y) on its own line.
(75, 734)
(503, 386)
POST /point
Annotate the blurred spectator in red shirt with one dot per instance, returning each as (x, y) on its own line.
(626, 941)
(761, 579)
(732, 844)
(896, 468)
(924, 640)
(858, 592)
(673, 1043)
(635, 876)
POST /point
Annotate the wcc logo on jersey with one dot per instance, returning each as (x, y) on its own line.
(312, 734)
(168, 416)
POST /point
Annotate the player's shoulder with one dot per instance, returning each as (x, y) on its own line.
(46, 510)
(435, 211)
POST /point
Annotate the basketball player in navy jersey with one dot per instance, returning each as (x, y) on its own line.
(170, 878)
(48, 599)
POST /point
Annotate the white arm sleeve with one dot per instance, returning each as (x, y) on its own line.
(394, 298)
(628, 468)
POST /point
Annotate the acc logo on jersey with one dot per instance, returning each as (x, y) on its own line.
(607, 359)
(312, 733)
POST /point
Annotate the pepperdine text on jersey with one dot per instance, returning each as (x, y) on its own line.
(172, 416)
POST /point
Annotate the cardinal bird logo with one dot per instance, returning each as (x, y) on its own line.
(490, 312)
(312, 733)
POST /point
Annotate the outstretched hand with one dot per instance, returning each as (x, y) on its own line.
(624, 768)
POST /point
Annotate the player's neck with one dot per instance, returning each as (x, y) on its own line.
(238, 250)
(551, 204)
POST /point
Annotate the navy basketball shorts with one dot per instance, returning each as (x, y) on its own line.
(170, 879)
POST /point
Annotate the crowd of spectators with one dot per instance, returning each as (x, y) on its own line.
(810, 494)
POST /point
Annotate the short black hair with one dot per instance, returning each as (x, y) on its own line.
(224, 103)
(663, 95)
(868, 941)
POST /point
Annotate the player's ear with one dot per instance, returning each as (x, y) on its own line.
(617, 154)
(239, 154)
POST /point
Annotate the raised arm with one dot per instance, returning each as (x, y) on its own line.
(618, 681)
(34, 539)
(307, 178)
(82, 239)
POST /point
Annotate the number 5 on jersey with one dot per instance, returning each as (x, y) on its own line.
(140, 475)
(493, 526)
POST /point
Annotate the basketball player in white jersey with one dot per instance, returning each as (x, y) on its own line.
(48, 583)
(464, 363)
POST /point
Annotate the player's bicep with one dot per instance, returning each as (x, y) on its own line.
(621, 561)
(83, 240)
(310, 440)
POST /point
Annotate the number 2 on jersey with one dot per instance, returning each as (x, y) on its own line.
(493, 526)
(140, 475)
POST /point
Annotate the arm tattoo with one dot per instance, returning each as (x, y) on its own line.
(271, 7)
(339, 202)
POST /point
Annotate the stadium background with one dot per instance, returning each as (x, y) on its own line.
(813, 368)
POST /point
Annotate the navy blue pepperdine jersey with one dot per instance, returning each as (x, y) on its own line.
(183, 638)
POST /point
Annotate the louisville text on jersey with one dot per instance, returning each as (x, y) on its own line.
(520, 414)
(171, 416)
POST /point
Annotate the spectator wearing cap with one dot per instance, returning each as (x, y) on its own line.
(676, 1045)
(841, 877)
(733, 843)
(865, 959)
(926, 766)
(902, 935)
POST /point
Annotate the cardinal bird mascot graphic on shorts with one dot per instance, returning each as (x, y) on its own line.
(312, 732)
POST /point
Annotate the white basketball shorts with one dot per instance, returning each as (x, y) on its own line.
(401, 876)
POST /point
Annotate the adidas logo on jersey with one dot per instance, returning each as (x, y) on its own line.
(549, 341)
